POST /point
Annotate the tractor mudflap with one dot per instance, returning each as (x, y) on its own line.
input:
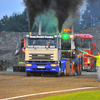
(68, 67)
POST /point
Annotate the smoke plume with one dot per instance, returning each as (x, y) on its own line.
(63, 9)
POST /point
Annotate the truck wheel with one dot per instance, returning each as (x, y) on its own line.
(57, 74)
(23, 69)
(28, 73)
(20, 69)
(67, 68)
(14, 69)
(33, 74)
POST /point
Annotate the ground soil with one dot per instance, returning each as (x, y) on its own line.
(16, 84)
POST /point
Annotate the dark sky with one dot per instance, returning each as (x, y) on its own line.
(8, 7)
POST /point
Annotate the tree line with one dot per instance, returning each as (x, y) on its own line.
(19, 22)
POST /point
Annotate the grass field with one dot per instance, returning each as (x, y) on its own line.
(88, 95)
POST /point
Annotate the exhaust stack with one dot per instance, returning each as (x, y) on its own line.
(72, 39)
(40, 27)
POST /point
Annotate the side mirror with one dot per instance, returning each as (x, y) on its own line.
(18, 47)
(16, 52)
(94, 46)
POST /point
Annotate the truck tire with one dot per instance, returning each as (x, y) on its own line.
(33, 74)
(67, 64)
(23, 69)
(14, 69)
(38, 74)
(77, 67)
(80, 69)
(57, 74)
(20, 69)
(28, 73)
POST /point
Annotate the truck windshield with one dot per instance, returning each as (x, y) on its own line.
(84, 43)
(41, 43)
(66, 44)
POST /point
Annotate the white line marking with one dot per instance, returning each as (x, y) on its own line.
(48, 92)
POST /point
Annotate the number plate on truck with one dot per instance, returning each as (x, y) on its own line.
(41, 67)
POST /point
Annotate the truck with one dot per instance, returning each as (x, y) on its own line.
(86, 43)
(49, 54)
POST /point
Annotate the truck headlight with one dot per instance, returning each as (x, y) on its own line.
(71, 36)
(53, 65)
(28, 64)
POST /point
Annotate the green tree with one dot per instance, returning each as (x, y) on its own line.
(16, 22)
(91, 17)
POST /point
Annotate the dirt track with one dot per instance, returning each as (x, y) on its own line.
(16, 84)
